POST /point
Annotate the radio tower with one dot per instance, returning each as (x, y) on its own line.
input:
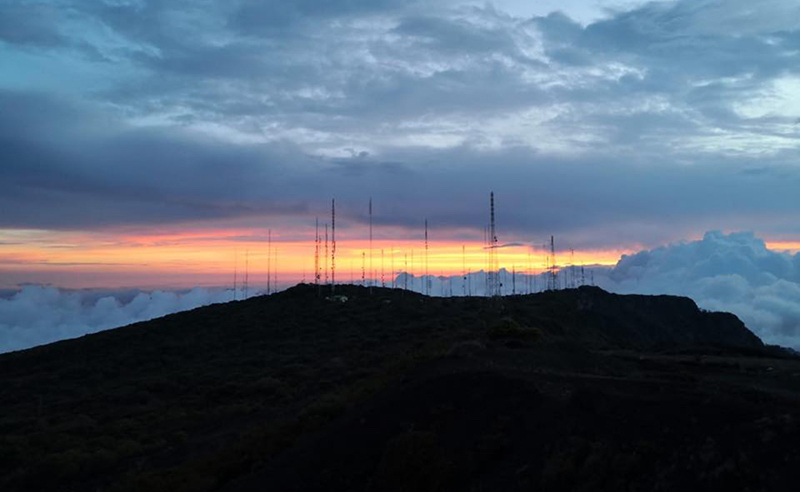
(486, 259)
(333, 245)
(275, 271)
(464, 268)
(317, 265)
(427, 285)
(370, 245)
(513, 280)
(494, 283)
(325, 260)
(572, 268)
(405, 270)
(246, 270)
(269, 255)
(528, 280)
(235, 271)
(553, 283)
(316, 251)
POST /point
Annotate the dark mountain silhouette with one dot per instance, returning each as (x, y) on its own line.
(569, 390)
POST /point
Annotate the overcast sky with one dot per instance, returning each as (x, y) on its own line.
(609, 123)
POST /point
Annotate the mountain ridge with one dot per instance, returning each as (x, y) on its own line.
(215, 397)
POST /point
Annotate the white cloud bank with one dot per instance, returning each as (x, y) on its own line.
(721, 272)
(37, 314)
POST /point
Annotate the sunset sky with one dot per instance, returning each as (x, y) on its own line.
(154, 144)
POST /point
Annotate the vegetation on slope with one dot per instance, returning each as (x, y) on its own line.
(197, 400)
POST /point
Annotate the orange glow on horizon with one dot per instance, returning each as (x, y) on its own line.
(205, 258)
(791, 246)
(215, 255)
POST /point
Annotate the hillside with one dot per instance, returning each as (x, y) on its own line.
(568, 390)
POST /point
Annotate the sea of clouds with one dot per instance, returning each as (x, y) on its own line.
(37, 314)
(721, 272)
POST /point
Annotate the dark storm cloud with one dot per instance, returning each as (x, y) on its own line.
(30, 25)
(275, 16)
(114, 174)
(456, 36)
(35, 26)
(628, 124)
(109, 173)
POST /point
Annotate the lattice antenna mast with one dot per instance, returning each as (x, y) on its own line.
(486, 258)
(269, 260)
(553, 274)
(275, 272)
(333, 244)
(235, 271)
(316, 251)
(529, 280)
(413, 272)
(325, 260)
(513, 280)
(464, 269)
(548, 281)
(370, 246)
(427, 281)
(405, 270)
(363, 267)
(572, 268)
(246, 270)
(495, 283)
(394, 274)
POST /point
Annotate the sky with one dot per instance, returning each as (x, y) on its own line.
(155, 144)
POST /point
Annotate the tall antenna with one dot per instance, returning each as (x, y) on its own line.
(572, 267)
(553, 273)
(427, 284)
(383, 279)
(316, 257)
(316, 251)
(530, 277)
(269, 254)
(495, 282)
(413, 278)
(363, 266)
(371, 275)
(513, 280)
(333, 244)
(235, 268)
(464, 269)
(486, 258)
(405, 270)
(246, 270)
(326, 254)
